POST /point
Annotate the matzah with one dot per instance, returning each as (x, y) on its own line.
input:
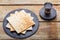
(20, 21)
(12, 29)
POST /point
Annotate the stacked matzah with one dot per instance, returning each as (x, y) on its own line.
(20, 22)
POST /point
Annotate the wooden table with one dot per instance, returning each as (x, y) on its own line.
(46, 31)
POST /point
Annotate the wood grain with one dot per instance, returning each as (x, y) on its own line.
(28, 1)
(45, 30)
(7, 9)
(4, 10)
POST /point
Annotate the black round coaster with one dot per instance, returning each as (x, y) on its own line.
(28, 33)
(50, 17)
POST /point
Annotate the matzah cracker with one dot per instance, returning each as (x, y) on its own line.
(9, 26)
(20, 21)
(22, 12)
(30, 18)
(29, 28)
(23, 32)
(12, 29)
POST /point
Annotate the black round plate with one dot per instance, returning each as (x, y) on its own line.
(28, 33)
